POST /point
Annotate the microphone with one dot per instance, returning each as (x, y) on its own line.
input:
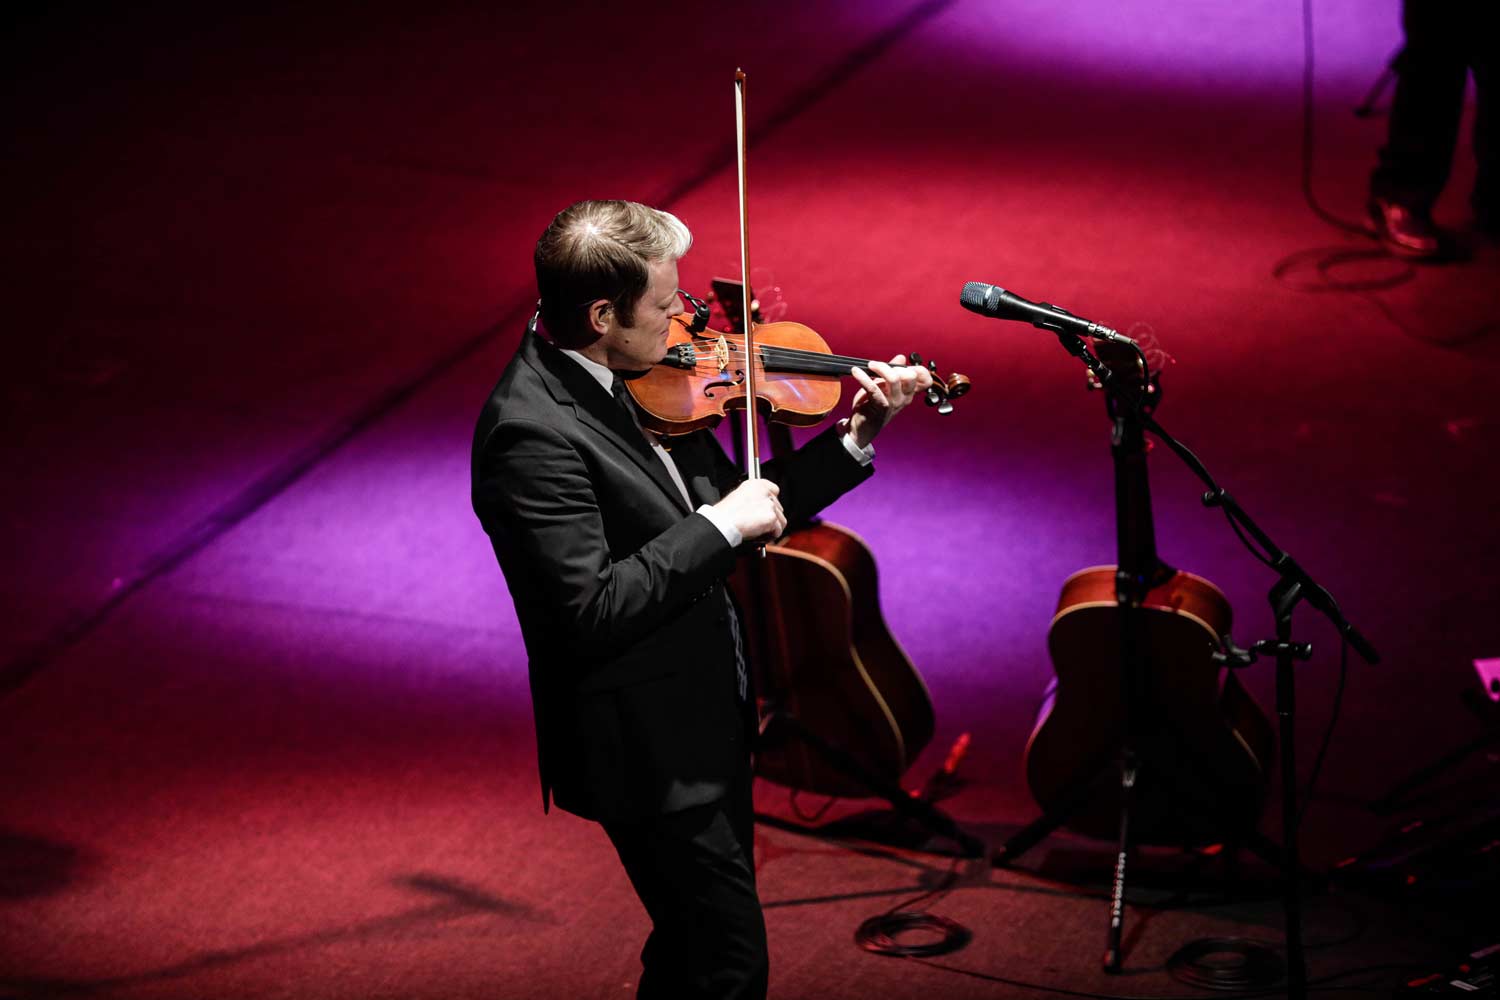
(997, 303)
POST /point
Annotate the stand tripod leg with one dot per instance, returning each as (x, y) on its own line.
(1043, 826)
(1283, 598)
(1113, 951)
(919, 809)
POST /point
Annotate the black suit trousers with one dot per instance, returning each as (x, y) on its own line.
(1445, 39)
(694, 870)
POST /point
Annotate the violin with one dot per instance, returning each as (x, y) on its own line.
(796, 377)
(785, 365)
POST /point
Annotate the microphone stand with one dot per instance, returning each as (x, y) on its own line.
(1293, 586)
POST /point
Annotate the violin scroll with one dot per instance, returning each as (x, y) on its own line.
(942, 392)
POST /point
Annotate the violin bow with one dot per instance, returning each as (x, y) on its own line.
(752, 410)
(752, 430)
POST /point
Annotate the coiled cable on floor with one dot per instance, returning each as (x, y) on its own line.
(926, 933)
(881, 934)
(1230, 964)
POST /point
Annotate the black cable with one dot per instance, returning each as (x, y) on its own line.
(1333, 718)
(1325, 259)
(1308, 76)
(880, 933)
(1246, 541)
(1217, 491)
(1227, 964)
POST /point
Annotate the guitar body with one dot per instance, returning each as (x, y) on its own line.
(817, 639)
(821, 654)
(1194, 721)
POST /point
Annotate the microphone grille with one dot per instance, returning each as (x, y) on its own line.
(974, 295)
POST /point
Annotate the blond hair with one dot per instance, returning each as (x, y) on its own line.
(600, 250)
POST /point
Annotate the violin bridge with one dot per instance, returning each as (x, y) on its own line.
(721, 353)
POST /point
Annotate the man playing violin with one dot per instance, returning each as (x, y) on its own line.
(616, 552)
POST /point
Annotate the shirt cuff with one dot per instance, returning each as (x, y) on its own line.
(864, 456)
(731, 534)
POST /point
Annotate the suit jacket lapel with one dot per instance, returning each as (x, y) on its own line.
(596, 409)
(607, 419)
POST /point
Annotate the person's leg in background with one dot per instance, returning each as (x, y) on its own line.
(1415, 162)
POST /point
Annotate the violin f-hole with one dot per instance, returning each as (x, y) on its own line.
(734, 383)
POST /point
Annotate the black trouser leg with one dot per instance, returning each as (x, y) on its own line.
(1486, 197)
(694, 872)
(1430, 76)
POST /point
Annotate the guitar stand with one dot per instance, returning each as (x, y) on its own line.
(1056, 817)
(1130, 768)
(780, 725)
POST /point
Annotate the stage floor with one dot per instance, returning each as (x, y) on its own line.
(265, 722)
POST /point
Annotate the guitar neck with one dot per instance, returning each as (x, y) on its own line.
(1134, 526)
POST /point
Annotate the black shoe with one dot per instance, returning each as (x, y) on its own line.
(1405, 231)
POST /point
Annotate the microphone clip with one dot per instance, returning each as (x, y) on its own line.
(700, 312)
(1096, 330)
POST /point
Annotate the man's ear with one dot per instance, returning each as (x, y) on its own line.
(599, 313)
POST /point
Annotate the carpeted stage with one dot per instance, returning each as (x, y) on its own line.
(264, 726)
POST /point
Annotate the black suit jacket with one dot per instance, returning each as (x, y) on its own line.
(618, 586)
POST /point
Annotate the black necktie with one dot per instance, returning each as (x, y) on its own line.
(622, 400)
(633, 415)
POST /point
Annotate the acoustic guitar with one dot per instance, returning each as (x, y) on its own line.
(1203, 745)
(821, 651)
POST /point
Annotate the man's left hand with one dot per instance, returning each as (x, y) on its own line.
(880, 399)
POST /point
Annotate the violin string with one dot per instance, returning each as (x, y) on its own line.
(808, 362)
(797, 361)
(793, 353)
(711, 370)
(707, 369)
(794, 366)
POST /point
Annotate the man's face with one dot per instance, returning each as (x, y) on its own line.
(642, 344)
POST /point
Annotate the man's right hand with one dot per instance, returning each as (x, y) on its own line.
(754, 509)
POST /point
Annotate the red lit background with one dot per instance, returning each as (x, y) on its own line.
(265, 730)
